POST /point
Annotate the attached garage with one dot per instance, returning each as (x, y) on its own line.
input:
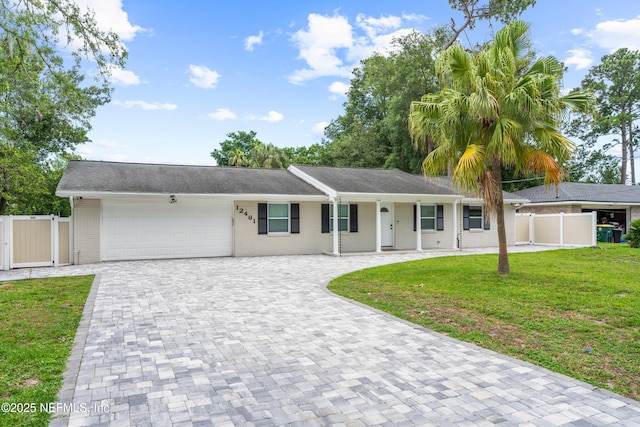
(134, 211)
(157, 228)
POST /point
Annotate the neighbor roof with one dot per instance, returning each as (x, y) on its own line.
(375, 181)
(582, 192)
(83, 176)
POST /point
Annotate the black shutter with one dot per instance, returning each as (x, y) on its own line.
(465, 217)
(440, 217)
(415, 218)
(353, 218)
(262, 218)
(487, 220)
(325, 218)
(295, 218)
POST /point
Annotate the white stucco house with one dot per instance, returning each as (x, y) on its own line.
(129, 211)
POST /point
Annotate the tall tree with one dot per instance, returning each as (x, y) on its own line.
(616, 85)
(236, 149)
(378, 103)
(593, 166)
(45, 105)
(496, 108)
(504, 11)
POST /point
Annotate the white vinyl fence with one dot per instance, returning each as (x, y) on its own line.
(564, 229)
(34, 241)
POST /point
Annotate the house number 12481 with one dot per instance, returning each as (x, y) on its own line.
(243, 211)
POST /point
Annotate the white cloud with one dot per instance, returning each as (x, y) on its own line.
(577, 31)
(331, 46)
(272, 116)
(222, 114)
(146, 105)
(580, 58)
(122, 77)
(318, 128)
(204, 77)
(339, 88)
(253, 41)
(617, 34)
(319, 45)
(110, 16)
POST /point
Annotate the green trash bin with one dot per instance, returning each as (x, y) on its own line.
(605, 233)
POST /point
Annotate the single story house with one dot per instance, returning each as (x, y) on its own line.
(611, 202)
(128, 211)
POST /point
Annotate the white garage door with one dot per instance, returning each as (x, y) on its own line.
(159, 229)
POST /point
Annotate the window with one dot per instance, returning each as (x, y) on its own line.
(278, 218)
(347, 218)
(428, 217)
(343, 217)
(474, 218)
(431, 217)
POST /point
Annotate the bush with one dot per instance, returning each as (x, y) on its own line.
(633, 236)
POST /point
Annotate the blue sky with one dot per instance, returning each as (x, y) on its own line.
(198, 70)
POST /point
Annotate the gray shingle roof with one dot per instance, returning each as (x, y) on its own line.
(111, 177)
(376, 181)
(581, 192)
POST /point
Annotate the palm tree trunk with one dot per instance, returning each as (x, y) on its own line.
(498, 201)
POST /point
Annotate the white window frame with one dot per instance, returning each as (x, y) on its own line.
(434, 218)
(347, 218)
(279, 218)
(473, 219)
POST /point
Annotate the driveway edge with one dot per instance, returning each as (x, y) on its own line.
(70, 375)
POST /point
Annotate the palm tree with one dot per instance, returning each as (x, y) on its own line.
(496, 107)
(238, 157)
(267, 156)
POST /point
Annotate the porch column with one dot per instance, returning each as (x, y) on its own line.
(378, 227)
(454, 218)
(418, 228)
(336, 229)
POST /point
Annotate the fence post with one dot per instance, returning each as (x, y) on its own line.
(561, 228)
(594, 228)
(55, 236)
(531, 228)
(6, 243)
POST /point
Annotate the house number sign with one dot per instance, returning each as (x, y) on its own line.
(244, 212)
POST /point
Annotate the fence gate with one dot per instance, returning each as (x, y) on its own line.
(34, 241)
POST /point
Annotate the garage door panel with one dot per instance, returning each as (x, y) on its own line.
(157, 229)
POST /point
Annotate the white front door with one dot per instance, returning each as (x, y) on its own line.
(386, 224)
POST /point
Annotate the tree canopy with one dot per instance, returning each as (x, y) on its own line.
(496, 108)
(616, 85)
(45, 103)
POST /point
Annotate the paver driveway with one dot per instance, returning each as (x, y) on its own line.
(259, 341)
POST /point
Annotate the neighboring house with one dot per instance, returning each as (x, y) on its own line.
(612, 202)
(125, 211)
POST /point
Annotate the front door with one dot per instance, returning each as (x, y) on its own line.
(386, 224)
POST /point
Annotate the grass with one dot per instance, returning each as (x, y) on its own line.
(38, 320)
(576, 312)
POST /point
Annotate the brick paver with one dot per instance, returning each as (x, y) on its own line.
(259, 341)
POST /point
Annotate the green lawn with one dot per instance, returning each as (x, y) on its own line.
(38, 320)
(574, 311)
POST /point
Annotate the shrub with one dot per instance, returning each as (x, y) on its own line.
(633, 235)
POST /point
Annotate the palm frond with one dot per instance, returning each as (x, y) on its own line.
(469, 167)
